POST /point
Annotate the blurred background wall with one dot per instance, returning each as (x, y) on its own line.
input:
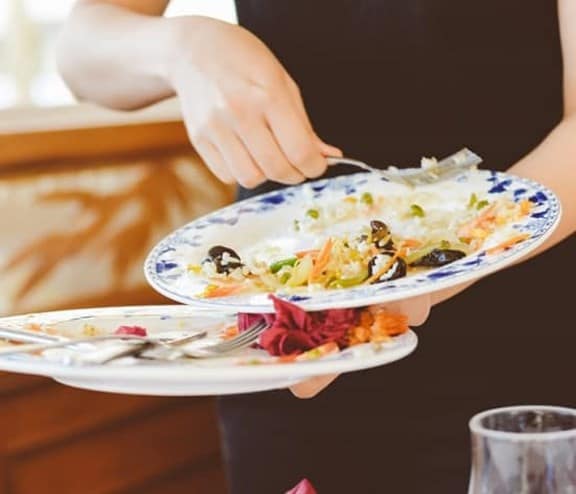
(28, 29)
(76, 177)
(84, 193)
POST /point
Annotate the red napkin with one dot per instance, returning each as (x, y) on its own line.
(303, 487)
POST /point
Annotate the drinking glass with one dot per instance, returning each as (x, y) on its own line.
(524, 450)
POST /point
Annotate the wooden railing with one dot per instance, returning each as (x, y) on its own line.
(83, 195)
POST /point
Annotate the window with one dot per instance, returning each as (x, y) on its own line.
(28, 30)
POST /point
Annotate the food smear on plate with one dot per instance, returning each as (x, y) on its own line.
(131, 331)
(365, 238)
(296, 334)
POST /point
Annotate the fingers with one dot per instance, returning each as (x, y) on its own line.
(311, 387)
(325, 149)
(238, 159)
(417, 309)
(214, 161)
(328, 150)
(265, 151)
(255, 133)
(297, 143)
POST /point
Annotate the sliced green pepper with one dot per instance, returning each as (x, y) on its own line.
(284, 277)
(349, 282)
(417, 254)
(482, 204)
(278, 265)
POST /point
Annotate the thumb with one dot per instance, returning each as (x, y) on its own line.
(312, 386)
(417, 309)
(327, 149)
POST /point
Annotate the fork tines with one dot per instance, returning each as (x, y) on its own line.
(243, 339)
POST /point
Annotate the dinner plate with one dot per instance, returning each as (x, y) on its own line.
(247, 371)
(268, 220)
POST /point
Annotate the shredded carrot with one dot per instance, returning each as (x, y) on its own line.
(394, 324)
(377, 325)
(359, 334)
(286, 359)
(322, 260)
(366, 318)
(411, 242)
(481, 222)
(387, 324)
(475, 244)
(34, 326)
(386, 267)
(374, 250)
(214, 291)
(230, 332)
(525, 207)
(304, 253)
(507, 244)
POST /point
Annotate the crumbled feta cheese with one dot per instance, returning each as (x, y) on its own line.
(428, 162)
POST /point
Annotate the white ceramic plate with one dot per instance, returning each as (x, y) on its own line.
(230, 375)
(268, 219)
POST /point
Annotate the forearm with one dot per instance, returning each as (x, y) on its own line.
(116, 57)
(553, 164)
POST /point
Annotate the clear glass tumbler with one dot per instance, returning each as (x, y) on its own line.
(524, 450)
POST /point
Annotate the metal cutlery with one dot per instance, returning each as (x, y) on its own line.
(223, 348)
(62, 342)
(153, 348)
(28, 336)
(434, 172)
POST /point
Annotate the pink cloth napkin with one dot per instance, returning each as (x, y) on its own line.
(303, 487)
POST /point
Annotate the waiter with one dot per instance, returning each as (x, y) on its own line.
(386, 81)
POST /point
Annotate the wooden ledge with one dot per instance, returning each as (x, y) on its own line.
(27, 120)
(30, 136)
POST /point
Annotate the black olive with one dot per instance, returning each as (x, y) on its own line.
(379, 227)
(216, 254)
(219, 250)
(381, 235)
(439, 257)
(397, 270)
(387, 247)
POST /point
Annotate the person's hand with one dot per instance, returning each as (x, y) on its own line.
(243, 112)
(416, 309)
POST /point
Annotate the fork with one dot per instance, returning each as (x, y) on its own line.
(150, 348)
(48, 342)
(447, 168)
(243, 340)
(28, 336)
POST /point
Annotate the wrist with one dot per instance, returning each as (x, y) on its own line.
(184, 42)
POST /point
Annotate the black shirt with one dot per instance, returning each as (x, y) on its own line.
(390, 81)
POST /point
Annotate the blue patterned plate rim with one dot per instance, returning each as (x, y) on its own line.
(165, 272)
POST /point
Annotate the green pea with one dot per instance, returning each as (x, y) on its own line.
(313, 213)
(416, 210)
(367, 198)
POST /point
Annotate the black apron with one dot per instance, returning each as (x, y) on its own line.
(390, 81)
